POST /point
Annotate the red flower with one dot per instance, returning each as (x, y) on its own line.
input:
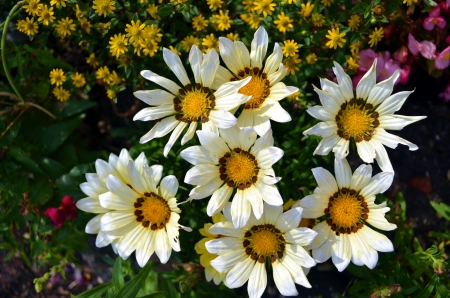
(67, 209)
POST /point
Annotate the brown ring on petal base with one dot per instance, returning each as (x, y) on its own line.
(239, 169)
(346, 211)
(152, 211)
(258, 87)
(356, 120)
(264, 242)
(194, 104)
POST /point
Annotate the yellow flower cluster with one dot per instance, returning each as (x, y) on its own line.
(58, 78)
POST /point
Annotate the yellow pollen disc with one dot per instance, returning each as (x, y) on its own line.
(195, 105)
(240, 168)
(256, 88)
(346, 211)
(355, 122)
(265, 243)
(155, 210)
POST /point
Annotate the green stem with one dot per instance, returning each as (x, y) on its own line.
(5, 64)
(13, 16)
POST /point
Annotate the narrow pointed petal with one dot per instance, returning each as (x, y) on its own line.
(174, 137)
(196, 59)
(367, 82)
(161, 81)
(174, 62)
(259, 47)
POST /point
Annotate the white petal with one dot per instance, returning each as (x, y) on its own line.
(91, 205)
(160, 129)
(190, 133)
(136, 179)
(268, 156)
(174, 137)
(223, 76)
(162, 246)
(289, 219)
(341, 148)
(367, 82)
(366, 151)
(201, 174)
(341, 252)
(103, 168)
(296, 271)
(345, 83)
(130, 241)
(259, 47)
(218, 200)
(366, 253)
(270, 193)
(378, 184)
(274, 60)
(253, 196)
(247, 137)
(382, 90)
(323, 253)
(240, 273)
(223, 245)
(276, 112)
(231, 101)
(343, 172)
(257, 281)
(271, 213)
(382, 157)
(116, 219)
(209, 126)
(323, 233)
(222, 119)
(230, 88)
(209, 67)
(155, 97)
(226, 229)
(278, 75)
(325, 180)
(261, 124)
(397, 122)
(327, 144)
(300, 255)
(393, 103)
(141, 162)
(391, 140)
(206, 190)
(300, 236)
(213, 143)
(264, 141)
(161, 81)
(361, 177)
(121, 190)
(378, 220)
(111, 201)
(245, 119)
(243, 52)
(280, 91)
(240, 210)
(145, 251)
(168, 187)
(313, 207)
(231, 136)
(225, 262)
(196, 155)
(328, 101)
(320, 113)
(333, 89)
(283, 280)
(174, 62)
(376, 240)
(154, 113)
(228, 54)
(323, 129)
(102, 239)
(93, 226)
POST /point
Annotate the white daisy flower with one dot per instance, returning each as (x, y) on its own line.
(265, 85)
(186, 106)
(135, 213)
(95, 186)
(234, 163)
(348, 204)
(363, 118)
(274, 239)
(205, 256)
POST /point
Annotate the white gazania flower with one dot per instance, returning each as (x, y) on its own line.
(234, 163)
(205, 256)
(186, 106)
(95, 186)
(348, 204)
(274, 239)
(363, 118)
(265, 85)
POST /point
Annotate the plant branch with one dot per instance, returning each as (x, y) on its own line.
(133, 109)
(10, 95)
(11, 124)
(3, 45)
(27, 104)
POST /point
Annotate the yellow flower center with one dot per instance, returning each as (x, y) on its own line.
(258, 87)
(194, 104)
(355, 120)
(152, 211)
(239, 169)
(346, 211)
(264, 241)
(446, 57)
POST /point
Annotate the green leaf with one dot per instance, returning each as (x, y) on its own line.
(53, 136)
(20, 156)
(118, 280)
(426, 292)
(156, 295)
(53, 168)
(441, 208)
(165, 10)
(46, 58)
(76, 107)
(134, 285)
(41, 192)
(82, 169)
(441, 289)
(41, 89)
(96, 292)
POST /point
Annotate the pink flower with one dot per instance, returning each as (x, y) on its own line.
(446, 93)
(434, 19)
(443, 59)
(385, 65)
(447, 39)
(390, 66)
(404, 74)
(426, 48)
(401, 55)
(67, 209)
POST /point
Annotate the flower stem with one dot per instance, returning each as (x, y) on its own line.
(3, 43)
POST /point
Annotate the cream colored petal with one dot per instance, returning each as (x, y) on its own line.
(174, 137)
(173, 61)
(160, 129)
(161, 81)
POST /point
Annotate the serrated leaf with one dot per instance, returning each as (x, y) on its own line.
(96, 292)
(134, 285)
(118, 280)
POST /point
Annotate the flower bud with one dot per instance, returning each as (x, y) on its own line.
(438, 266)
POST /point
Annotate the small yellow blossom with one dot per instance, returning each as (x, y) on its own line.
(178, 1)
(64, 27)
(291, 64)
(33, 7)
(290, 48)
(149, 47)
(46, 15)
(92, 60)
(57, 77)
(78, 12)
(249, 5)
(174, 50)
(103, 7)
(78, 80)
(352, 64)
(61, 94)
(210, 42)
(28, 26)
(284, 23)
(152, 10)
(214, 4)
(318, 19)
(252, 19)
(327, 2)
(188, 42)
(233, 36)
(264, 7)
(354, 48)
(336, 38)
(354, 22)
(290, 1)
(292, 97)
(376, 36)
(135, 31)
(85, 25)
(311, 58)
(118, 45)
(199, 23)
(151, 32)
(58, 3)
(306, 10)
(111, 93)
(113, 79)
(102, 73)
(410, 2)
(223, 21)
